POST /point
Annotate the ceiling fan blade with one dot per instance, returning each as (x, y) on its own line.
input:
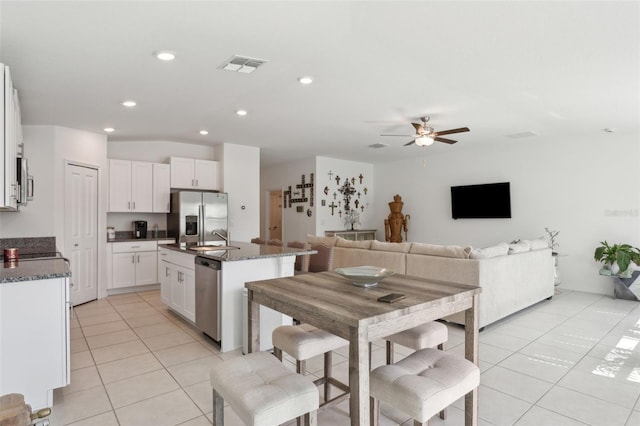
(449, 141)
(418, 127)
(409, 143)
(406, 136)
(448, 132)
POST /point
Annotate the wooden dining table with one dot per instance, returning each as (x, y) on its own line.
(333, 303)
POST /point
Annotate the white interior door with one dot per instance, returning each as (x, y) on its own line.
(81, 231)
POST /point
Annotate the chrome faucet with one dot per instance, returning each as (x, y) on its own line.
(226, 238)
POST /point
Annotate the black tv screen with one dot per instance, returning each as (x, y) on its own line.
(487, 201)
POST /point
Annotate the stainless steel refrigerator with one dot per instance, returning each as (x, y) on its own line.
(198, 217)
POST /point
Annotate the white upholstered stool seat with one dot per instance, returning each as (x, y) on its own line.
(262, 391)
(305, 341)
(422, 384)
(427, 335)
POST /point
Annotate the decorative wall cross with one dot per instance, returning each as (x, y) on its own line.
(332, 206)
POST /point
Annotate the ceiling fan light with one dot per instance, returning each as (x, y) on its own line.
(424, 141)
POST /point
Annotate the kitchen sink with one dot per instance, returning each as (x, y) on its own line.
(212, 248)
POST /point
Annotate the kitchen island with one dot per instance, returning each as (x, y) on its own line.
(241, 263)
(34, 328)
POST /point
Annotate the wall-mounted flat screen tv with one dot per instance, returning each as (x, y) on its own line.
(487, 201)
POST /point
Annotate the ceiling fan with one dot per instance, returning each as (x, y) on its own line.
(426, 135)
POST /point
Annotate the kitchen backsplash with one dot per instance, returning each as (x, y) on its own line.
(30, 245)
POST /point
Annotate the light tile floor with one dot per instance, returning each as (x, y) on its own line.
(574, 360)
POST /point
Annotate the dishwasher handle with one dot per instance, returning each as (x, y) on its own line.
(208, 263)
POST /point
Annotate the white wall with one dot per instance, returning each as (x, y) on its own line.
(157, 151)
(587, 188)
(295, 226)
(345, 170)
(241, 181)
(48, 148)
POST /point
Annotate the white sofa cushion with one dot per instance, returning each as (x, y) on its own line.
(501, 249)
(440, 251)
(519, 247)
(363, 244)
(327, 241)
(394, 247)
(538, 243)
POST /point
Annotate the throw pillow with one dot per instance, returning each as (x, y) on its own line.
(501, 249)
(441, 251)
(519, 247)
(342, 242)
(538, 243)
(327, 241)
(395, 247)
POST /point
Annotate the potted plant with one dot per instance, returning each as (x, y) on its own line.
(617, 257)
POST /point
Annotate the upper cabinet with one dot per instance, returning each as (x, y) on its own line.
(189, 173)
(10, 139)
(161, 187)
(130, 186)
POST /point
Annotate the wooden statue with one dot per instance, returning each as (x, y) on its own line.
(396, 221)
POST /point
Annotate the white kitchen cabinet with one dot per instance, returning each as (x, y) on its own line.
(34, 337)
(178, 282)
(134, 263)
(10, 133)
(189, 173)
(130, 186)
(161, 187)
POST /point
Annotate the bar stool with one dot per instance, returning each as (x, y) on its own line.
(302, 262)
(305, 341)
(422, 384)
(427, 335)
(262, 391)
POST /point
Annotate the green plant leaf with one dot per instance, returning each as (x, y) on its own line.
(599, 253)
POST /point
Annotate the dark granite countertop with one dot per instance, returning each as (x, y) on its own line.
(34, 269)
(245, 251)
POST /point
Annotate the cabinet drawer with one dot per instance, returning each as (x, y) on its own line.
(185, 260)
(133, 246)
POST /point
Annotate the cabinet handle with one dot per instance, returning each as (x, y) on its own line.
(133, 258)
(193, 182)
(134, 205)
(197, 184)
(128, 205)
(138, 258)
(166, 271)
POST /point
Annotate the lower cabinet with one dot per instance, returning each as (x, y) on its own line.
(135, 263)
(34, 337)
(178, 282)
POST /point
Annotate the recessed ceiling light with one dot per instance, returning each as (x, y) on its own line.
(241, 112)
(305, 80)
(165, 55)
(204, 132)
(109, 129)
(128, 104)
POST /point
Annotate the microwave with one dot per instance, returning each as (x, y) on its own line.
(25, 182)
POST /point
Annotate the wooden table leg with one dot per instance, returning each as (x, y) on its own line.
(471, 353)
(359, 377)
(253, 324)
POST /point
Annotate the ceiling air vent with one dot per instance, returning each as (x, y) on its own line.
(242, 64)
(378, 145)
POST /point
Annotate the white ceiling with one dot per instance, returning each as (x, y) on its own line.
(558, 69)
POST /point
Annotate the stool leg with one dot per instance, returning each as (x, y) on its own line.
(328, 367)
(417, 423)
(278, 353)
(443, 413)
(374, 408)
(389, 352)
(311, 419)
(218, 409)
(300, 369)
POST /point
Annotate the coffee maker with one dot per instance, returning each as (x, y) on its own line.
(140, 229)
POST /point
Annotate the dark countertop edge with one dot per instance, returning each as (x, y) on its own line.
(290, 252)
(35, 277)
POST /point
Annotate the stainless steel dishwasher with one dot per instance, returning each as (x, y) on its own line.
(208, 296)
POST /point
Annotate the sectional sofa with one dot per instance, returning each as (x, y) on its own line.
(512, 276)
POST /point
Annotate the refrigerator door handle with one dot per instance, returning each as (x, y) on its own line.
(201, 224)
